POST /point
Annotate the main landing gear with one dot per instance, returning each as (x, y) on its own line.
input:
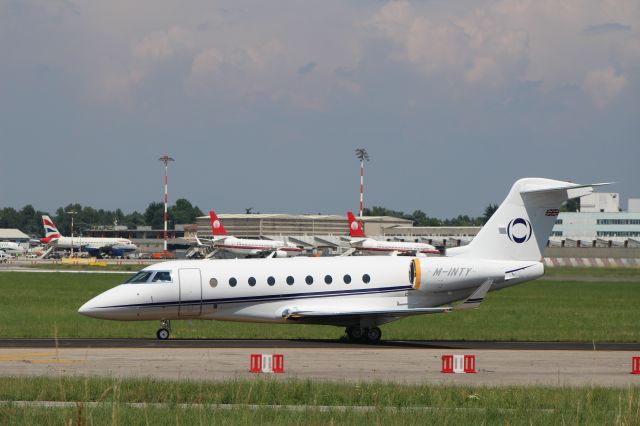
(164, 331)
(369, 335)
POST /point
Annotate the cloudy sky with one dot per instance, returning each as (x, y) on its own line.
(263, 103)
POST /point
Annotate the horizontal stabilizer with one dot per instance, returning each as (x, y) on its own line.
(562, 187)
(476, 298)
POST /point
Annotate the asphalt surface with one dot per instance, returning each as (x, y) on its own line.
(315, 344)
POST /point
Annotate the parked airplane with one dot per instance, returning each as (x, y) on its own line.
(361, 242)
(249, 247)
(359, 293)
(93, 245)
(11, 247)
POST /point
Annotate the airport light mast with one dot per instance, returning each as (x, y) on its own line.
(71, 213)
(165, 159)
(363, 155)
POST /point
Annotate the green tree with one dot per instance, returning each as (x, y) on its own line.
(572, 205)
(184, 212)
(488, 212)
(154, 216)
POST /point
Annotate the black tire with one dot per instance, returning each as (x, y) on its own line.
(162, 334)
(374, 335)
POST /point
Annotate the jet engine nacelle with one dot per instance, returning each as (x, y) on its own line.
(438, 274)
(432, 274)
(280, 253)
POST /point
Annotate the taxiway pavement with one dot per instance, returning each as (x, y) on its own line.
(324, 361)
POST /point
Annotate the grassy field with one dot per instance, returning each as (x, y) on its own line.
(263, 401)
(45, 305)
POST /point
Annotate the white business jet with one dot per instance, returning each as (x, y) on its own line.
(359, 293)
(361, 242)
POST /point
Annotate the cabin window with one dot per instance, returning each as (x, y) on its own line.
(233, 282)
(309, 279)
(140, 277)
(366, 279)
(252, 281)
(271, 281)
(290, 280)
(162, 276)
(347, 279)
(328, 279)
(213, 282)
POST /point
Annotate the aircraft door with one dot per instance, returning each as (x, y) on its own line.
(190, 292)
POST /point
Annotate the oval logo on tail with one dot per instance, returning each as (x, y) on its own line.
(216, 224)
(519, 230)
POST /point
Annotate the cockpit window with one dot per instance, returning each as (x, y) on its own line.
(162, 276)
(144, 276)
(140, 277)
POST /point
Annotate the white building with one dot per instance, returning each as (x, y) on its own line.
(604, 202)
(597, 225)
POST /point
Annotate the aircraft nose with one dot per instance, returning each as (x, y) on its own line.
(88, 309)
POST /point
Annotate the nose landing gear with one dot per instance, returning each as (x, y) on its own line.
(369, 335)
(164, 331)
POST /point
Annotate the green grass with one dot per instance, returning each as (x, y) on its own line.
(592, 272)
(392, 403)
(45, 305)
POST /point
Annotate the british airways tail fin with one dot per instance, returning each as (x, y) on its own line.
(50, 229)
(355, 227)
(216, 225)
(521, 226)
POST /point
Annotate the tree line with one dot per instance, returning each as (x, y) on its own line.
(29, 220)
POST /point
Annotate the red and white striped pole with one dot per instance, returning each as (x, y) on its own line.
(165, 159)
(362, 154)
(361, 187)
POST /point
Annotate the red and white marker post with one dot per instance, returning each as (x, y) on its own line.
(459, 364)
(266, 363)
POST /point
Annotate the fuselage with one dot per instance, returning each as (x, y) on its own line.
(11, 247)
(371, 246)
(253, 247)
(264, 291)
(94, 242)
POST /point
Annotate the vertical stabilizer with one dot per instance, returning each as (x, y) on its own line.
(216, 224)
(520, 228)
(50, 229)
(355, 227)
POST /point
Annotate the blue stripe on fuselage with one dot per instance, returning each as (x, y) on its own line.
(271, 297)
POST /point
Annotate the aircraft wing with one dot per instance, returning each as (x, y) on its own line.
(310, 315)
(336, 315)
(476, 297)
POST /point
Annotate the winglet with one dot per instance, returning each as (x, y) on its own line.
(216, 225)
(476, 298)
(355, 227)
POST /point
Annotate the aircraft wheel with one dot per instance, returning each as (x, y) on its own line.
(162, 334)
(355, 333)
(374, 335)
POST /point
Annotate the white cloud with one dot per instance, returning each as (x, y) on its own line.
(603, 85)
(510, 41)
(163, 44)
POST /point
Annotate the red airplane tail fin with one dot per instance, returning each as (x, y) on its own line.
(216, 225)
(355, 227)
